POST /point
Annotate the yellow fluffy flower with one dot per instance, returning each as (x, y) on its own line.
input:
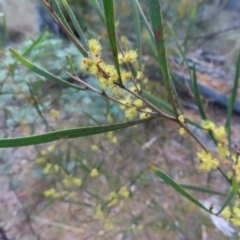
(54, 113)
(120, 58)
(208, 163)
(113, 199)
(56, 168)
(235, 221)
(102, 82)
(125, 75)
(138, 103)
(146, 113)
(94, 173)
(135, 89)
(127, 101)
(223, 150)
(123, 192)
(93, 69)
(94, 148)
(219, 133)
(51, 193)
(181, 131)
(130, 113)
(114, 139)
(181, 118)
(208, 125)
(94, 46)
(139, 75)
(130, 56)
(48, 168)
(77, 181)
(86, 63)
(226, 213)
(43, 152)
(40, 160)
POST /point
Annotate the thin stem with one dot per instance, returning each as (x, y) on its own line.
(60, 23)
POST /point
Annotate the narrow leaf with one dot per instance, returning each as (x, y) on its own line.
(177, 187)
(69, 61)
(138, 31)
(164, 105)
(197, 95)
(98, 9)
(4, 34)
(59, 17)
(145, 21)
(35, 44)
(189, 28)
(65, 134)
(110, 25)
(151, 47)
(41, 71)
(157, 24)
(158, 102)
(231, 195)
(200, 189)
(59, 13)
(232, 100)
(75, 23)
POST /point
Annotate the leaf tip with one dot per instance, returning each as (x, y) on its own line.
(151, 167)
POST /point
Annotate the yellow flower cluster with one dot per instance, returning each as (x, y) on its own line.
(50, 168)
(108, 224)
(136, 228)
(146, 113)
(94, 148)
(94, 173)
(112, 201)
(128, 56)
(123, 192)
(232, 215)
(70, 181)
(55, 113)
(223, 150)
(218, 132)
(108, 79)
(181, 118)
(236, 216)
(94, 47)
(52, 193)
(99, 212)
(208, 163)
(40, 160)
(181, 131)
